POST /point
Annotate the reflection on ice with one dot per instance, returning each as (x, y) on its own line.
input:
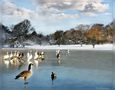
(17, 58)
(7, 62)
(78, 69)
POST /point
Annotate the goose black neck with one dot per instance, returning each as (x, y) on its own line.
(29, 67)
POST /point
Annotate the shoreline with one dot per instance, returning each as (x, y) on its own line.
(104, 47)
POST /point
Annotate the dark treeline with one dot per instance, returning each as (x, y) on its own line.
(23, 33)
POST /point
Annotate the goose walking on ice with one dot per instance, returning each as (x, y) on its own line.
(57, 51)
(42, 56)
(26, 74)
(58, 56)
(53, 77)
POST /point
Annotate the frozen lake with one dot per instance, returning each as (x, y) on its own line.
(78, 70)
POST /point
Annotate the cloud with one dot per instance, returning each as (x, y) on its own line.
(10, 9)
(65, 16)
(55, 9)
(89, 14)
(83, 6)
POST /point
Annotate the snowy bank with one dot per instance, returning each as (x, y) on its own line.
(73, 47)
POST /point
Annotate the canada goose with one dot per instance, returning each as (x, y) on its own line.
(42, 55)
(53, 77)
(21, 55)
(58, 57)
(26, 74)
(57, 51)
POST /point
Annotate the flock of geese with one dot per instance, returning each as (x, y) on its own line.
(17, 58)
(13, 58)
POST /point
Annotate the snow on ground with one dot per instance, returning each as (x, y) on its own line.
(73, 47)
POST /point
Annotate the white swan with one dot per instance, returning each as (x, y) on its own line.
(36, 55)
(11, 55)
(29, 57)
(6, 56)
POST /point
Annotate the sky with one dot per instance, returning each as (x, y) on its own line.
(47, 16)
